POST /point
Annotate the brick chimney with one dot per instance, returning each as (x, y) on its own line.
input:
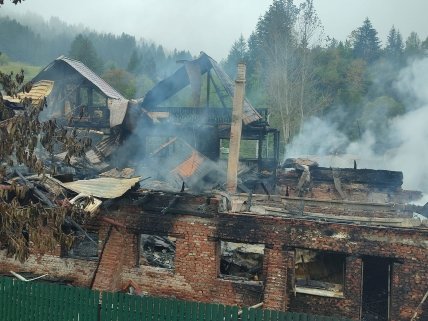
(236, 129)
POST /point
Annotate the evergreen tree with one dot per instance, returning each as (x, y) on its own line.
(83, 50)
(366, 42)
(414, 46)
(134, 62)
(395, 47)
(238, 53)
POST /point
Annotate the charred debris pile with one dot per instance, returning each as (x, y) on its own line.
(151, 153)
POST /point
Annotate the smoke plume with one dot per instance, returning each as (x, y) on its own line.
(400, 146)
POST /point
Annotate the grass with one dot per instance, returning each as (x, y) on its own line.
(30, 71)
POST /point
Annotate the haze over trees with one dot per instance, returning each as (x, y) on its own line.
(146, 62)
(293, 68)
(295, 72)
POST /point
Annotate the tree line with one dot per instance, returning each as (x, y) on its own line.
(132, 66)
(293, 68)
(297, 71)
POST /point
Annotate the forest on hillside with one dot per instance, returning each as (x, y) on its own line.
(130, 65)
(293, 68)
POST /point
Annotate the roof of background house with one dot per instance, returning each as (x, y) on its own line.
(180, 79)
(117, 105)
(82, 69)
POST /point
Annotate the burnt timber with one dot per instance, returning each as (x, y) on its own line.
(338, 242)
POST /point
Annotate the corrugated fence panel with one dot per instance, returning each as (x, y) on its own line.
(37, 301)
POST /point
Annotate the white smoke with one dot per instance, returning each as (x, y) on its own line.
(406, 137)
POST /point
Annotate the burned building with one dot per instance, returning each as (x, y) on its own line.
(163, 119)
(361, 259)
(81, 97)
(338, 242)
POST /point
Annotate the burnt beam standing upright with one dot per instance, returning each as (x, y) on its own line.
(236, 130)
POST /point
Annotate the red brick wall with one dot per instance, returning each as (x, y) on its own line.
(196, 274)
(80, 272)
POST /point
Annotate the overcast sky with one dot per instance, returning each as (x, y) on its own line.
(213, 25)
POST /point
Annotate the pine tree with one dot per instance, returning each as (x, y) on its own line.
(83, 50)
(134, 62)
(395, 47)
(413, 46)
(238, 53)
(366, 42)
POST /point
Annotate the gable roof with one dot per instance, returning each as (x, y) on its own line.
(87, 73)
(117, 104)
(180, 79)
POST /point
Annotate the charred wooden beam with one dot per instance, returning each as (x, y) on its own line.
(171, 204)
(338, 184)
(42, 197)
(373, 177)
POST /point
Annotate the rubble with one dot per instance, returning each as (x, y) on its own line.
(158, 251)
(145, 209)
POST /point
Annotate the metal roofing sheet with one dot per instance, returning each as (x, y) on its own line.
(92, 77)
(103, 187)
(38, 92)
(190, 165)
(249, 113)
(118, 108)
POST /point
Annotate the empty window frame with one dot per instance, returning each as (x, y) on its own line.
(241, 261)
(83, 247)
(319, 272)
(157, 251)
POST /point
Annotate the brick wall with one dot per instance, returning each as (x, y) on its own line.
(196, 273)
(79, 272)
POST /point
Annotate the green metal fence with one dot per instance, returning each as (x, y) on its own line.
(33, 301)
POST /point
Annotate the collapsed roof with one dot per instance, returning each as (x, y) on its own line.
(65, 69)
(190, 73)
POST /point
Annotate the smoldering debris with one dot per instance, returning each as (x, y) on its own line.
(398, 146)
(241, 261)
(157, 251)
